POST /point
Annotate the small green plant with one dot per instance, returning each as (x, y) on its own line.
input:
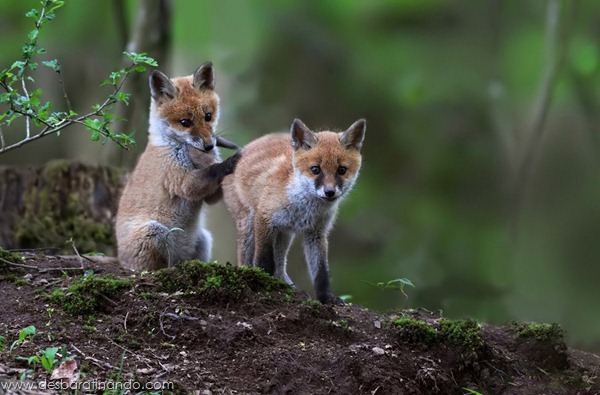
(397, 284)
(2, 344)
(26, 333)
(26, 102)
(46, 358)
(473, 392)
(90, 328)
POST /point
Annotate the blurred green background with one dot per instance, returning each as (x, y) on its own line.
(489, 215)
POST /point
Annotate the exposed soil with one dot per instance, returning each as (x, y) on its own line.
(236, 331)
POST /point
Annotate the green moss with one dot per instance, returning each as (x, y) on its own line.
(540, 331)
(414, 330)
(18, 281)
(466, 336)
(10, 257)
(220, 283)
(88, 295)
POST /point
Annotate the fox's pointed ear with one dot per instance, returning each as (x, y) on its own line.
(161, 86)
(204, 77)
(355, 135)
(302, 137)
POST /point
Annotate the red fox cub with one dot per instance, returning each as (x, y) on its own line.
(279, 189)
(159, 221)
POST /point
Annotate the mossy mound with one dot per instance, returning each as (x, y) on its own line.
(415, 331)
(217, 283)
(90, 294)
(544, 344)
(466, 336)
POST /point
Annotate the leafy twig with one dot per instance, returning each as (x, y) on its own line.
(26, 103)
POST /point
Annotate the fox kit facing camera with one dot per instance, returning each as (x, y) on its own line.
(159, 220)
(283, 187)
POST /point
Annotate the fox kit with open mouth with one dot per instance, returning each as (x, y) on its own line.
(159, 221)
(282, 187)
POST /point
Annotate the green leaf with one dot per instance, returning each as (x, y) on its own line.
(27, 331)
(33, 14)
(33, 358)
(124, 97)
(33, 35)
(53, 64)
(50, 353)
(95, 135)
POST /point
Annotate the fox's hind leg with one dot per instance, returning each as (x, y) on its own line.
(146, 247)
(245, 238)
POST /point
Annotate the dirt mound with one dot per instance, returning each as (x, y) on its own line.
(221, 329)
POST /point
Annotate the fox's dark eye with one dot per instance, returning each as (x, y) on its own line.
(342, 170)
(208, 116)
(186, 123)
(315, 170)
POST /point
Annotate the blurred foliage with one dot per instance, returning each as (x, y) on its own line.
(448, 89)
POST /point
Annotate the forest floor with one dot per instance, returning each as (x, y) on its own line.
(216, 329)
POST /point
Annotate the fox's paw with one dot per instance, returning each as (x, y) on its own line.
(231, 162)
(331, 299)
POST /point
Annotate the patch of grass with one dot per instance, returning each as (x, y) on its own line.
(540, 331)
(16, 280)
(466, 336)
(87, 295)
(414, 330)
(218, 283)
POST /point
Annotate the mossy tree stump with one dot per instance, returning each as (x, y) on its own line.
(44, 207)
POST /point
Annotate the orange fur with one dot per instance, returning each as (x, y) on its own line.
(274, 194)
(159, 220)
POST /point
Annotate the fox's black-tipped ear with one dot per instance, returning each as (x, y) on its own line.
(204, 77)
(161, 86)
(302, 137)
(355, 135)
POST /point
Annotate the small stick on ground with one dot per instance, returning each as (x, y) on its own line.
(93, 360)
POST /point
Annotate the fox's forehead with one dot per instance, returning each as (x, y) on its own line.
(329, 154)
(190, 101)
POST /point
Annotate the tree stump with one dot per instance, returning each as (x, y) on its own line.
(45, 207)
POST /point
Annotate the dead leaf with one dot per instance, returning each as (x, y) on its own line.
(65, 371)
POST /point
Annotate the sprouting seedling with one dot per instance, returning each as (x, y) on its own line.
(397, 284)
(24, 334)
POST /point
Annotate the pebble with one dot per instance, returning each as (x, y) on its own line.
(378, 351)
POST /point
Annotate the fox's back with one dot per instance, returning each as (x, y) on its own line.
(265, 169)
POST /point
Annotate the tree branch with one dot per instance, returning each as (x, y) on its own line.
(557, 34)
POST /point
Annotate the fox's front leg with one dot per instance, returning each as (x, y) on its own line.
(315, 252)
(263, 245)
(206, 183)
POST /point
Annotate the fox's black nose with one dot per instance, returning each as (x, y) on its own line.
(208, 146)
(329, 192)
